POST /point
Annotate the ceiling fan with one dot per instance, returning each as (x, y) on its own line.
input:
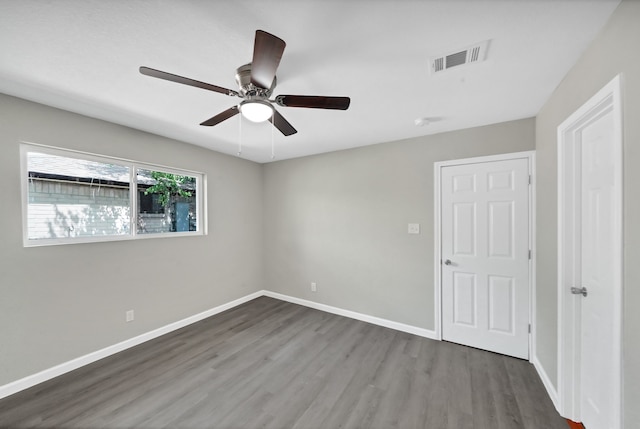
(256, 82)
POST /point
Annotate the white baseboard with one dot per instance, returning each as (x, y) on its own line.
(42, 376)
(421, 332)
(63, 368)
(546, 381)
(47, 374)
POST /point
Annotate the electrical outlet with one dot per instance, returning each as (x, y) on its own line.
(314, 287)
(129, 316)
(413, 228)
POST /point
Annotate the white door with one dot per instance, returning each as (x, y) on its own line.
(590, 257)
(597, 273)
(485, 255)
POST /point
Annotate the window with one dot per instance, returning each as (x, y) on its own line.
(149, 203)
(72, 197)
(166, 202)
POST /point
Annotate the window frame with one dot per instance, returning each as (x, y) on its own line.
(133, 166)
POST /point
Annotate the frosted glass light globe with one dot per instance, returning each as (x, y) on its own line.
(256, 110)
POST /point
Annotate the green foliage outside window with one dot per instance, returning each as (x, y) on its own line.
(168, 185)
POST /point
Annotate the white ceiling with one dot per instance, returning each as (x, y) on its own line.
(83, 56)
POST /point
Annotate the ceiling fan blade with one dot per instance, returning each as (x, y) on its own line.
(186, 81)
(222, 116)
(267, 53)
(314, 102)
(282, 124)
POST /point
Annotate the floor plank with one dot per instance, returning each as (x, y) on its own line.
(272, 364)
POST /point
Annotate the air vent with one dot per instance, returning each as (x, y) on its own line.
(472, 54)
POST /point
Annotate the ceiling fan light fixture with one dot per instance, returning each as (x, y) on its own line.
(256, 110)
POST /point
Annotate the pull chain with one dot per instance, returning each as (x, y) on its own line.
(239, 134)
(273, 152)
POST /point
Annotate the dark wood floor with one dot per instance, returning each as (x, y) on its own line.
(272, 364)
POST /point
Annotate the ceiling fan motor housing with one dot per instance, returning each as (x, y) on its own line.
(248, 89)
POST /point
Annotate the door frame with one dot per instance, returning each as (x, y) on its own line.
(530, 156)
(607, 99)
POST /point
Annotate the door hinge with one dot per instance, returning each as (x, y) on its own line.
(529, 178)
(529, 254)
(529, 327)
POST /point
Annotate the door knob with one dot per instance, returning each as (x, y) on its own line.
(447, 262)
(579, 291)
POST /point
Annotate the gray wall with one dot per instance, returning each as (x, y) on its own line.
(61, 302)
(614, 51)
(340, 219)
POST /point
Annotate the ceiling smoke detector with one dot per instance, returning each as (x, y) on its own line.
(421, 122)
(472, 54)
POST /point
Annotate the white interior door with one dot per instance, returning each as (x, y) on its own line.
(485, 255)
(590, 257)
(597, 192)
